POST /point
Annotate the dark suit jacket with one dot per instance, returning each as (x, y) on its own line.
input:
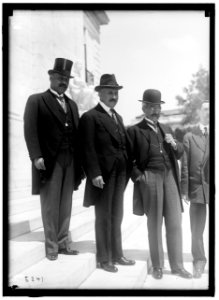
(195, 167)
(43, 131)
(100, 146)
(140, 143)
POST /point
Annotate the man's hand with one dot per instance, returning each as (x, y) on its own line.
(185, 199)
(39, 163)
(141, 178)
(98, 182)
(169, 139)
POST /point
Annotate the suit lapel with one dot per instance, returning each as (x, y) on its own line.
(199, 139)
(107, 121)
(143, 126)
(73, 111)
(54, 106)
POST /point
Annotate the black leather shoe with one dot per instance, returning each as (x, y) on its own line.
(109, 267)
(157, 273)
(68, 252)
(53, 256)
(124, 261)
(182, 273)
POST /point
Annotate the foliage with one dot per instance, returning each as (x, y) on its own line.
(195, 94)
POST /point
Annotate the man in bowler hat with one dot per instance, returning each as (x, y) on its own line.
(51, 133)
(156, 184)
(195, 184)
(106, 164)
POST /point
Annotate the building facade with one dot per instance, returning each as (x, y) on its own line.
(36, 39)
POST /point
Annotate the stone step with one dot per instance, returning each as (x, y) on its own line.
(30, 220)
(32, 202)
(71, 270)
(26, 249)
(66, 272)
(135, 247)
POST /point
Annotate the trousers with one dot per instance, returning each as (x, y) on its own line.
(56, 203)
(161, 201)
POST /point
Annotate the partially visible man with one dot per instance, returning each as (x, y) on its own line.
(51, 133)
(156, 184)
(195, 184)
(106, 164)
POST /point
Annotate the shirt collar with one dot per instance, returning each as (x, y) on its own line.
(106, 108)
(55, 93)
(151, 124)
(202, 127)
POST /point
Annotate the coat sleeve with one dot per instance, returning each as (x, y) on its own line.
(87, 140)
(184, 167)
(135, 172)
(31, 127)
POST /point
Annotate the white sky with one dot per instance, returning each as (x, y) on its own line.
(153, 49)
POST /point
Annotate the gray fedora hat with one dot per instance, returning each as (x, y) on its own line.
(152, 96)
(108, 81)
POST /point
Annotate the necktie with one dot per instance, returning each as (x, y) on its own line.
(205, 132)
(62, 102)
(114, 115)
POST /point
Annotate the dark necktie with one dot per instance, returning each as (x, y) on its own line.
(205, 132)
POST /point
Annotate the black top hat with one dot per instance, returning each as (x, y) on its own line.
(152, 96)
(108, 81)
(62, 66)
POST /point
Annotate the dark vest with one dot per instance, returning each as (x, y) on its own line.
(121, 138)
(69, 131)
(159, 152)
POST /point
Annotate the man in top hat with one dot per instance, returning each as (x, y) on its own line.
(106, 163)
(156, 184)
(51, 133)
(195, 184)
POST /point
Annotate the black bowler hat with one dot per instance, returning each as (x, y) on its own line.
(152, 96)
(108, 81)
(62, 66)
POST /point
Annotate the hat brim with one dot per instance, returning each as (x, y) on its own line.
(161, 102)
(53, 71)
(116, 87)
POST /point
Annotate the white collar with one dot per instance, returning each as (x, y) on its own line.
(55, 93)
(202, 127)
(106, 108)
(151, 124)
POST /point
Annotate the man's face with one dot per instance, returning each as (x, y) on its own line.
(59, 83)
(152, 111)
(204, 113)
(109, 96)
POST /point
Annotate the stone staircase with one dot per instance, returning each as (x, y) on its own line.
(29, 269)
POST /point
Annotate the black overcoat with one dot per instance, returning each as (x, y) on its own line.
(139, 135)
(100, 147)
(43, 131)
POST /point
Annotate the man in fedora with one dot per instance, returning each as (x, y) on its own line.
(156, 184)
(51, 133)
(106, 164)
(195, 184)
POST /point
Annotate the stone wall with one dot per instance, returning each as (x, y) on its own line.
(36, 39)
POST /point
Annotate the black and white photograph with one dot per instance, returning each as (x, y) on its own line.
(108, 153)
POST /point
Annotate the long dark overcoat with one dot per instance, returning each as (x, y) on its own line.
(100, 146)
(195, 167)
(43, 130)
(140, 143)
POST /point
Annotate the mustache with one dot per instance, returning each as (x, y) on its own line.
(155, 115)
(112, 100)
(63, 85)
